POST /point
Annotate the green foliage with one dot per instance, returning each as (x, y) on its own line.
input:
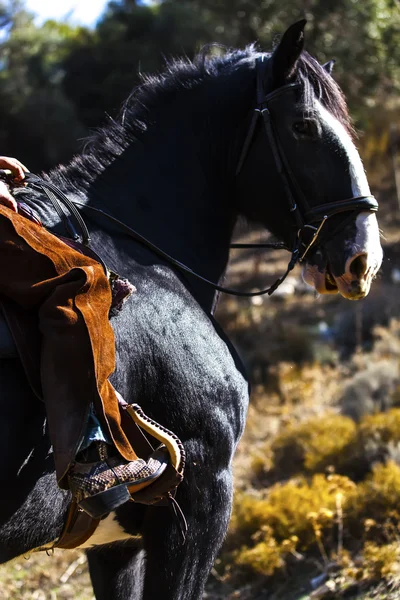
(103, 66)
(58, 80)
(364, 37)
(34, 112)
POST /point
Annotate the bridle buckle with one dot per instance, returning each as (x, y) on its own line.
(314, 238)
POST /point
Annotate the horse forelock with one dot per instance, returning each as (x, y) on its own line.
(318, 84)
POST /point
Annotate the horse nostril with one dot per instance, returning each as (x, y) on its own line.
(358, 266)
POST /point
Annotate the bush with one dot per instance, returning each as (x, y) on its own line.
(382, 427)
(378, 439)
(296, 508)
(313, 446)
(302, 516)
(380, 562)
(377, 499)
(266, 557)
(332, 442)
(372, 390)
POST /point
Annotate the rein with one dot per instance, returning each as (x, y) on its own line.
(182, 267)
(306, 219)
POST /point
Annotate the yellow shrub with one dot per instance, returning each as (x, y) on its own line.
(377, 498)
(301, 515)
(314, 445)
(382, 428)
(266, 557)
(249, 515)
(292, 509)
(374, 563)
(381, 561)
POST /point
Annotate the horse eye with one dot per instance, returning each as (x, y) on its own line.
(305, 128)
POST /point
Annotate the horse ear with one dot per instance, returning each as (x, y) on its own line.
(328, 66)
(287, 53)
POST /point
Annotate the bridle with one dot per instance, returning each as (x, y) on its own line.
(305, 218)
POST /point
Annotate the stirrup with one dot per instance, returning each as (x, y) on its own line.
(109, 500)
(159, 491)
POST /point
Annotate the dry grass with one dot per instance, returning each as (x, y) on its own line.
(61, 576)
(333, 536)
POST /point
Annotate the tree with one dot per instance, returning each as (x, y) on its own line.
(102, 67)
(57, 80)
(364, 37)
(37, 121)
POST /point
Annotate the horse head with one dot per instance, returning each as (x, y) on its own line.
(300, 173)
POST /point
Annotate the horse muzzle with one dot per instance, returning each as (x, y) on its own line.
(349, 271)
(354, 284)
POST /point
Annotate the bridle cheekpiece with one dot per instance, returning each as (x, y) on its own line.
(304, 216)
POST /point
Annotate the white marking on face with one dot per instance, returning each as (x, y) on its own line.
(359, 183)
(108, 531)
(367, 240)
(365, 246)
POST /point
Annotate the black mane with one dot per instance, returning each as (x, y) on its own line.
(108, 142)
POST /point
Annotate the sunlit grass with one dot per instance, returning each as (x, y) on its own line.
(59, 576)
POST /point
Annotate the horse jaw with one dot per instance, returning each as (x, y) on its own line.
(364, 258)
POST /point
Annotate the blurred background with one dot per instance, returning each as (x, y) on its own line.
(318, 470)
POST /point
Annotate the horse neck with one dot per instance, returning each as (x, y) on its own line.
(173, 187)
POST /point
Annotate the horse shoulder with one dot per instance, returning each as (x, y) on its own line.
(174, 355)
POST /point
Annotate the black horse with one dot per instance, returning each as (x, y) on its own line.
(169, 168)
